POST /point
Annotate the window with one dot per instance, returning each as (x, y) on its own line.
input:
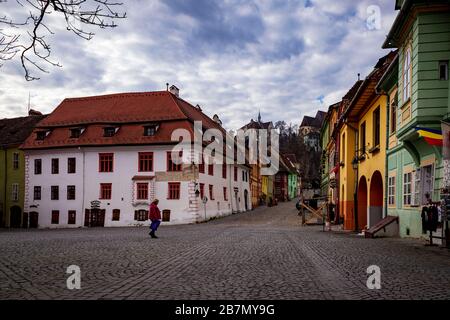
(54, 192)
(211, 169)
(224, 171)
(235, 174)
(407, 75)
(71, 192)
(40, 135)
(174, 191)
(105, 191)
(150, 131)
(243, 175)
(202, 190)
(211, 192)
(15, 161)
(141, 215)
(71, 165)
(55, 166)
(407, 188)
(225, 194)
(394, 105)
(171, 166)
(37, 166)
(75, 133)
(55, 217)
(443, 70)
(201, 166)
(116, 215)
(142, 191)
(391, 191)
(15, 192)
(145, 161)
(416, 188)
(106, 162)
(343, 148)
(72, 217)
(109, 131)
(363, 138)
(376, 127)
(37, 193)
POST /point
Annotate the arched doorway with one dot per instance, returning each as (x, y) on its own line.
(376, 199)
(15, 217)
(246, 199)
(362, 203)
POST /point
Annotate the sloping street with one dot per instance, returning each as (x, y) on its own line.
(264, 254)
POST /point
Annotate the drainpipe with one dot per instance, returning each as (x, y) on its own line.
(386, 167)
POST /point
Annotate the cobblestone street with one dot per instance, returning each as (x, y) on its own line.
(263, 254)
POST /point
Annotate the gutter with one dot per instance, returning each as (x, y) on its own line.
(5, 185)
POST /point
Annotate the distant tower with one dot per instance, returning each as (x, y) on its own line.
(259, 116)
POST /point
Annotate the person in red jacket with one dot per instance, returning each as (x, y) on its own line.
(155, 218)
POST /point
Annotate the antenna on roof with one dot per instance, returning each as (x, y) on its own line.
(167, 86)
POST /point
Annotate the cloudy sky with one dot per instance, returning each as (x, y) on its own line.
(287, 58)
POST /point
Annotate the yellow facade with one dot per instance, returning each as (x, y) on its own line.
(348, 136)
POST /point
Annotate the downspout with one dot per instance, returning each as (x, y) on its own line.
(83, 209)
(386, 168)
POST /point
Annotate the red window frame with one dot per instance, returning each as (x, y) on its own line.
(172, 167)
(235, 174)
(225, 193)
(174, 191)
(202, 190)
(224, 171)
(72, 217)
(145, 162)
(105, 162)
(55, 216)
(201, 166)
(71, 165)
(211, 192)
(211, 169)
(105, 191)
(142, 191)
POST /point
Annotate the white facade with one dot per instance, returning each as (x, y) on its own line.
(124, 178)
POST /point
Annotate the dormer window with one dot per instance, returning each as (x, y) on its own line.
(150, 130)
(41, 135)
(110, 131)
(75, 133)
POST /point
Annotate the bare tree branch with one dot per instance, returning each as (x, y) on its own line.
(32, 46)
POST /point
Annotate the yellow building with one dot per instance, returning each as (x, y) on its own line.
(363, 153)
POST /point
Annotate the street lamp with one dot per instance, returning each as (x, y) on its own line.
(355, 163)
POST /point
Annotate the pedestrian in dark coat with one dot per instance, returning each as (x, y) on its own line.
(155, 218)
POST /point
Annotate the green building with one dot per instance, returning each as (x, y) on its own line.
(417, 86)
(13, 133)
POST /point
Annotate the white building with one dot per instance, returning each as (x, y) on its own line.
(100, 161)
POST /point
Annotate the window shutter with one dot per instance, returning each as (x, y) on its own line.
(135, 215)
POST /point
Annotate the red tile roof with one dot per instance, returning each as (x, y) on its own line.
(129, 111)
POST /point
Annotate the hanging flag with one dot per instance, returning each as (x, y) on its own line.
(432, 136)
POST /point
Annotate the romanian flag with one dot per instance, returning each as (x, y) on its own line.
(432, 136)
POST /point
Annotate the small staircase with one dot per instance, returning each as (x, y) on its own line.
(388, 227)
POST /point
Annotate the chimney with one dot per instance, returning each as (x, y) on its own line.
(34, 113)
(198, 107)
(175, 91)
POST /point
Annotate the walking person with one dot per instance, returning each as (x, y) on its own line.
(155, 218)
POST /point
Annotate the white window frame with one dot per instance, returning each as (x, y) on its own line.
(391, 190)
(407, 74)
(405, 185)
(16, 161)
(15, 192)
